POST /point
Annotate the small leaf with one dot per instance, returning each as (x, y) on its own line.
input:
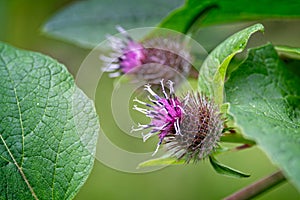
(164, 160)
(290, 52)
(48, 128)
(86, 23)
(225, 170)
(264, 94)
(213, 71)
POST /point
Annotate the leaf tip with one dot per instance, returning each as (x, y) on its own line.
(225, 170)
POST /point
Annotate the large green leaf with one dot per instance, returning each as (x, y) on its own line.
(86, 23)
(48, 128)
(264, 94)
(225, 11)
(213, 71)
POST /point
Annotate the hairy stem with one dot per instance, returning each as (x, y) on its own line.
(258, 187)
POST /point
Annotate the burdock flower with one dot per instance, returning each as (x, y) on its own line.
(190, 127)
(149, 60)
(127, 55)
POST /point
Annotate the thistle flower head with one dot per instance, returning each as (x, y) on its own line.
(170, 52)
(190, 127)
(201, 127)
(151, 60)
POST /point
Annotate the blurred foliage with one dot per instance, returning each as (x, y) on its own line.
(209, 12)
(86, 23)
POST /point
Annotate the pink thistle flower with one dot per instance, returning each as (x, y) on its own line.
(150, 60)
(201, 127)
(127, 55)
(133, 55)
(190, 127)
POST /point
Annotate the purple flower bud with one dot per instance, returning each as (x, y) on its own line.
(151, 60)
(133, 55)
(127, 55)
(171, 52)
(201, 127)
(190, 127)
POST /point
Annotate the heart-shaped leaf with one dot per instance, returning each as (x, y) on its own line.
(264, 94)
(48, 128)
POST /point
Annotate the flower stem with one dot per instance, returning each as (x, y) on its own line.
(258, 187)
(236, 138)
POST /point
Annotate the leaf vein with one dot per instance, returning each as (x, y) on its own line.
(22, 130)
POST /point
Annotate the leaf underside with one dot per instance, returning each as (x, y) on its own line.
(87, 23)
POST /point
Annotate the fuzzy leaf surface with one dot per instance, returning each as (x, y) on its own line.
(264, 94)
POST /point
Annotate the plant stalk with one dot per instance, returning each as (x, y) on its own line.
(258, 187)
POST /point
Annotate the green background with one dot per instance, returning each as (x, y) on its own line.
(20, 24)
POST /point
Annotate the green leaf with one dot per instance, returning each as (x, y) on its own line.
(213, 12)
(86, 23)
(48, 128)
(225, 170)
(290, 52)
(265, 101)
(183, 18)
(219, 168)
(164, 160)
(236, 138)
(213, 71)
